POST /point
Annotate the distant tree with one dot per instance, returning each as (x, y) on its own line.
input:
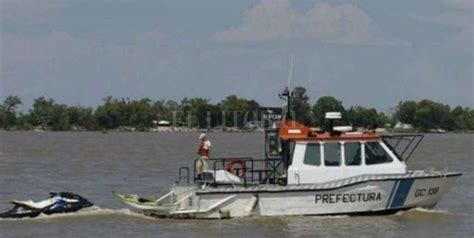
(22, 122)
(108, 115)
(253, 111)
(406, 112)
(3, 117)
(383, 119)
(208, 116)
(234, 110)
(42, 111)
(60, 118)
(159, 110)
(114, 113)
(326, 104)
(431, 115)
(8, 111)
(301, 108)
(140, 114)
(190, 108)
(46, 112)
(469, 118)
(457, 115)
(363, 117)
(174, 111)
(186, 112)
(11, 103)
(81, 117)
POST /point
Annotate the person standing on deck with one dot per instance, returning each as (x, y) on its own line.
(204, 153)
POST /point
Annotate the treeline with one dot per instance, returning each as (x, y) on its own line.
(115, 113)
(233, 111)
(426, 114)
(423, 115)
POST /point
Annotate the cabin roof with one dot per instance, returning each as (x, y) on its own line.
(295, 131)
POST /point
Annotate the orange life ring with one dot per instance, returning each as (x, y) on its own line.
(231, 164)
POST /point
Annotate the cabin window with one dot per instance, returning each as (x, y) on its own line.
(375, 154)
(332, 154)
(312, 155)
(353, 153)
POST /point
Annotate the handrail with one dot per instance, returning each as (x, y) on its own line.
(182, 199)
(403, 153)
(208, 209)
(163, 197)
(269, 168)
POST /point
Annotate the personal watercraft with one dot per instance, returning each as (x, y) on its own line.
(63, 202)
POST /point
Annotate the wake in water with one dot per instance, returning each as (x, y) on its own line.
(87, 212)
(423, 210)
(422, 214)
(416, 213)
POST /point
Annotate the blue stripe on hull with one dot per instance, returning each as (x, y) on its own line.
(401, 194)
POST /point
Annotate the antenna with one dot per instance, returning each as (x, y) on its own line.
(290, 73)
(286, 94)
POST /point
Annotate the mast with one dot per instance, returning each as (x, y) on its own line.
(286, 95)
(285, 145)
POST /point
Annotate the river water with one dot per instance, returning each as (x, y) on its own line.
(93, 165)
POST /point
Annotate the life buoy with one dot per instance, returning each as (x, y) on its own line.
(231, 164)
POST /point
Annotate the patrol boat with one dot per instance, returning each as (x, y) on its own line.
(306, 172)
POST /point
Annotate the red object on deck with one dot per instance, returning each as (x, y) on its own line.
(295, 131)
(242, 170)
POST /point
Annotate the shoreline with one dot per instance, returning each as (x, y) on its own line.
(220, 130)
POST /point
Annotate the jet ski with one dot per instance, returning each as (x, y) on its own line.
(62, 202)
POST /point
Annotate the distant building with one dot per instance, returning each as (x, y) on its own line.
(271, 116)
(164, 123)
(401, 125)
(253, 125)
(271, 113)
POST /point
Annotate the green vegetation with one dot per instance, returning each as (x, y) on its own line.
(301, 107)
(326, 104)
(8, 117)
(426, 115)
(232, 111)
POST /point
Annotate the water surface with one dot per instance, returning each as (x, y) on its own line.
(94, 164)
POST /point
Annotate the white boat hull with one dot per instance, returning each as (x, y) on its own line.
(358, 195)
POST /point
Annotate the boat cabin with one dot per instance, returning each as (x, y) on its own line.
(318, 157)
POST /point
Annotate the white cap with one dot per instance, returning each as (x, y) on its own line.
(202, 136)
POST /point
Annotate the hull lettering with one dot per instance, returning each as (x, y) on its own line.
(347, 198)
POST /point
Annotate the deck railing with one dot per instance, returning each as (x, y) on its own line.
(256, 171)
(403, 145)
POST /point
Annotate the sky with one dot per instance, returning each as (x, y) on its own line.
(368, 52)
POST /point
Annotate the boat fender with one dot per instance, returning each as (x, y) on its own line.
(231, 164)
